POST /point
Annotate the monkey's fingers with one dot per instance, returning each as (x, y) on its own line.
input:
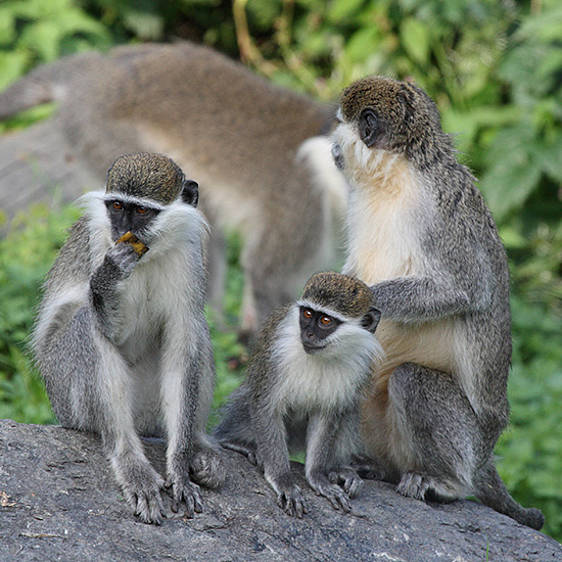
(348, 479)
(292, 502)
(189, 494)
(337, 498)
(149, 508)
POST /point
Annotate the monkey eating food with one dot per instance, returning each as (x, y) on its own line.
(121, 338)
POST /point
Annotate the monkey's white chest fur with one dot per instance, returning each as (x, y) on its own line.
(388, 210)
(330, 379)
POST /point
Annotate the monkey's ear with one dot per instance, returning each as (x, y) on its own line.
(368, 126)
(190, 192)
(371, 320)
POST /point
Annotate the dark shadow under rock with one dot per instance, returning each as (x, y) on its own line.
(59, 501)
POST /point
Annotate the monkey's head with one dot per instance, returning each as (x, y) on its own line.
(335, 309)
(378, 113)
(139, 187)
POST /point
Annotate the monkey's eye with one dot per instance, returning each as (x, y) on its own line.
(307, 313)
(141, 210)
(325, 320)
(117, 205)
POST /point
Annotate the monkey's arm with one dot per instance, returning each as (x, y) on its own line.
(182, 368)
(414, 299)
(273, 453)
(118, 263)
(323, 465)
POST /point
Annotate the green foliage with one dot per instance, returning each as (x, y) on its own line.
(26, 253)
(494, 70)
(34, 31)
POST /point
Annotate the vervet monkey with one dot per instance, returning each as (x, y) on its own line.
(121, 338)
(304, 381)
(247, 142)
(421, 234)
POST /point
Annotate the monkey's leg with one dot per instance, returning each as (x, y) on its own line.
(322, 435)
(141, 484)
(272, 449)
(345, 450)
(436, 432)
(235, 431)
(89, 385)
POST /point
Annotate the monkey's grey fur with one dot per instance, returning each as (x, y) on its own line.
(241, 137)
(420, 233)
(293, 399)
(122, 342)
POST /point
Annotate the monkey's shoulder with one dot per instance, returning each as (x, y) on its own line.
(73, 261)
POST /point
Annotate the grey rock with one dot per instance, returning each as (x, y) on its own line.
(59, 501)
(37, 165)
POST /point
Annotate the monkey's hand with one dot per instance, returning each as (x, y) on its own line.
(320, 483)
(123, 258)
(141, 486)
(346, 478)
(289, 496)
(183, 490)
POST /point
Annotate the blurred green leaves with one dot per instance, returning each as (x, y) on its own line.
(35, 31)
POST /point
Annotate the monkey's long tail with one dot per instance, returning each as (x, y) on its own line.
(491, 491)
(43, 84)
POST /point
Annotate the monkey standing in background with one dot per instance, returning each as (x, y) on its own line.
(420, 233)
(121, 339)
(243, 138)
(305, 377)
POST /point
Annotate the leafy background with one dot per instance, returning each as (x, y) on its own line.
(495, 70)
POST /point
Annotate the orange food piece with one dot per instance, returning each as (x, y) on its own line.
(130, 238)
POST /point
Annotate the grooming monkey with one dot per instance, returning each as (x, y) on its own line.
(121, 339)
(420, 233)
(304, 381)
(242, 137)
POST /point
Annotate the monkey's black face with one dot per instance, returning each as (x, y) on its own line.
(316, 326)
(125, 217)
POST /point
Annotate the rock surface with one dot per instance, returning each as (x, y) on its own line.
(59, 501)
(37, 165)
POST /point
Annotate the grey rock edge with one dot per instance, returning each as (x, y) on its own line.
(59, 501)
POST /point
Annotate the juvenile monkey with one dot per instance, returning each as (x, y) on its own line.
(246, 140)
(304, 381)
(421, 234)
(121, 339)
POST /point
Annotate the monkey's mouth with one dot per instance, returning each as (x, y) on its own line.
(311, 348)
(337, 155)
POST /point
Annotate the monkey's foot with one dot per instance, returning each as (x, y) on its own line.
(141, 487)
(332, 492)
(424, 487)
(183, 490)
(289, 496)
(206, 468)
(347, 479)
